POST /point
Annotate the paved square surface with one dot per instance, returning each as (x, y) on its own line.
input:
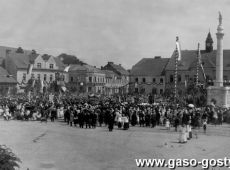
(56, 146)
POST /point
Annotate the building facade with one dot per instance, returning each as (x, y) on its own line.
(112, 83)
(7, 83)
(45, 67)
(84, 78)
(121, 77)
(148, 76)
(187, 67)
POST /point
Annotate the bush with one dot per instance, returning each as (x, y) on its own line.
(8, 160)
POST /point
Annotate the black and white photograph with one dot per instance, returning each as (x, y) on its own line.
(114, 84)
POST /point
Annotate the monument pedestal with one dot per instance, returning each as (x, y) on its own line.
(220, 94)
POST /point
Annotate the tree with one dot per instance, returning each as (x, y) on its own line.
(19, 50)
(69, 59)
(8, 160)
(196, 95)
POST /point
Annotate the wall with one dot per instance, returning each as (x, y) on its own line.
(148, 85)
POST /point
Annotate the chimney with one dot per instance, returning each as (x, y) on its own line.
(157, 57)
(110, 62)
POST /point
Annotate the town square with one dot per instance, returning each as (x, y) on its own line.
(114, 85)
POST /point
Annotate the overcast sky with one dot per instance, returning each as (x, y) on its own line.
(123, 31)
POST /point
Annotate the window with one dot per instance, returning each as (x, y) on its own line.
(161, 80)
(90, 79)
(154, 91)
(179, 78)
(154, 80)
(44, 77)
(39, 76)
(24, 77)
(136, 80)
(51, 66)
(71, 79)
(143, 80)
(39, 65)
(95, 79)
(225, 77)
(51, 77)
(161, 91)
(89, 89)
(171, 78)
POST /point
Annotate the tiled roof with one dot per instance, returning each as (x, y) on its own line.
(85, 67)
(77, 67)
(59, 63)
(3, 51)
(22, 60)
(116, 68)
(93, 69)
(109, 73)
(189, 57)
(149, 67)
(5, 78)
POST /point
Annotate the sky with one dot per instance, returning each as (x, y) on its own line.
(122, 31)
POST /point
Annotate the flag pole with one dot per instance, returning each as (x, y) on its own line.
(197, 65)
(176, 70)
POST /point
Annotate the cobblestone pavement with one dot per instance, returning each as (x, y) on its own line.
(56, 146)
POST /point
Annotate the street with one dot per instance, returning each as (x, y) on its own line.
(56, 146)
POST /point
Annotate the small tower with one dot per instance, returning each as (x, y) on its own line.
(209, 43)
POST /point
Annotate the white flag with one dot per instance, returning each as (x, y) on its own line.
(178, 51)
(29, 69)
(67, 69)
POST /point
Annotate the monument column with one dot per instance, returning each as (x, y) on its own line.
(219, 54)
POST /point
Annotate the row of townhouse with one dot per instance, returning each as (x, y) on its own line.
(83, 78)
(110, 79)
(148, 76)
(157, 75)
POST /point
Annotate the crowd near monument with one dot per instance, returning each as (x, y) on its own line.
(218, 93)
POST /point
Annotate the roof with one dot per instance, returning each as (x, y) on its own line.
(22, 60)
(116, 67)
(189, 57)
(150, 67)
(109, 73)
(59, 63)
(12, 49)
(5, 78)
(85, 67)
(77, 67)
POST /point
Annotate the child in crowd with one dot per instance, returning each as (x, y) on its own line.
(167, 124)
(205, 125)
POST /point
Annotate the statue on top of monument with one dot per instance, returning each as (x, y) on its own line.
(220, 18)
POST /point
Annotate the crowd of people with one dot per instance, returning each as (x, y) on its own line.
(109, 112)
